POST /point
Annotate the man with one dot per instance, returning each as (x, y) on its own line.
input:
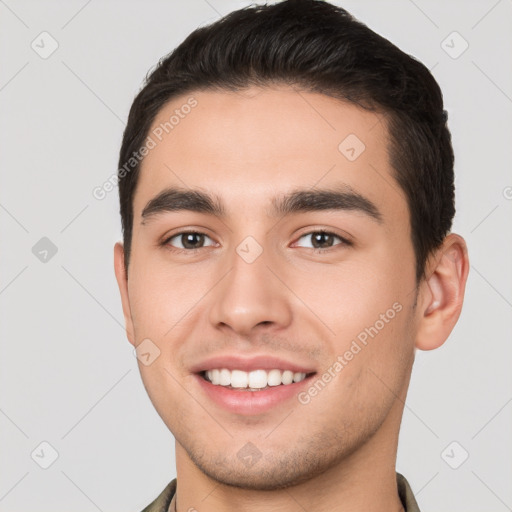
(286, 189)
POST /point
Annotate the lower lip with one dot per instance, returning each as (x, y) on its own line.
(242, 401)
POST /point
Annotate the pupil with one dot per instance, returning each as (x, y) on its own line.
(317, 239)
(188, 240)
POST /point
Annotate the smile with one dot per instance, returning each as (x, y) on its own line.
(255, 380)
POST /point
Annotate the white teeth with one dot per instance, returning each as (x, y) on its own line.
(239, 379)
(287, 377)
(225, 377)
(274, 378)
(256, 379)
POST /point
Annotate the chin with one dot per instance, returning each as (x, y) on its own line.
(269, 473)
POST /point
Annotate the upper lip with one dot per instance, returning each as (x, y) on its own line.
(247, 364)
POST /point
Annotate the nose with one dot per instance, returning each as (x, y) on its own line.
(251, 296)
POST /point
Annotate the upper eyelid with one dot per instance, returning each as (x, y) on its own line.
(167, 239)
(345, 240)
(326, 231)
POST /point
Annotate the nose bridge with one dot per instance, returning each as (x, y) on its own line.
(250, 294)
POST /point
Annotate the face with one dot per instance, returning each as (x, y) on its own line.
(292, 288)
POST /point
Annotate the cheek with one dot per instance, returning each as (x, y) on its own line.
(372, 375)
(364, 307)
(350, 296)
(161, 296)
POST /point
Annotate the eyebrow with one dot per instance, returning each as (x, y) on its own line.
(342, 197)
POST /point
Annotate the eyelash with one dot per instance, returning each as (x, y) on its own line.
(165, 243)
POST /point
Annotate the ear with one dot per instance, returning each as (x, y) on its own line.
(442, 293)
(122, 282)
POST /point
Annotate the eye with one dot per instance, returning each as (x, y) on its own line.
(187, 241)
(324, 240)
(190, 241)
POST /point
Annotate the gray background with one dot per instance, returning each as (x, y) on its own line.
(68, 376)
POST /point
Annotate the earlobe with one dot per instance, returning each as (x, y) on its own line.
(442, 293)
(122, 282)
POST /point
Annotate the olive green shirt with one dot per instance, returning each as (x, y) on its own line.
(166, 500)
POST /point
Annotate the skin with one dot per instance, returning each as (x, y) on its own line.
(337, 452)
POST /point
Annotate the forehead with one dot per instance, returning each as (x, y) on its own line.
(258, 142)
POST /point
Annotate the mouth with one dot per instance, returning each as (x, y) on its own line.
(255, 380)
(251, 386)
